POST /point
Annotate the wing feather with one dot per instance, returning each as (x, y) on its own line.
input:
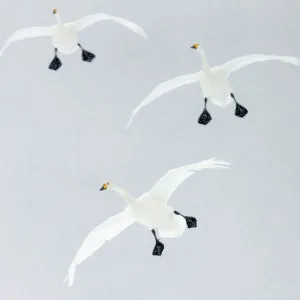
(89, 20)
(166, 185)
(27, 33)
(240, 62)
(97, 238)
(164, 88)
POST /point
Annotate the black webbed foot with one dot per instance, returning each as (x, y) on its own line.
(191, 222)
(205, 117)
(240, 111)
(158, 249)
(55, 64)
(87, 56)
(159, 246)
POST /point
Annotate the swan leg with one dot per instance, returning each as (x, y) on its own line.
(86, 55)
(159, 246)
(240, 111)
(55, 63)
(191, 222)
(205, 117)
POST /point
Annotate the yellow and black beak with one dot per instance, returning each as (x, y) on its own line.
(195, 46)
(104, 187)
(54, 11)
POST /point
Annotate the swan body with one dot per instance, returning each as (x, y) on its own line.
(151, 210)
(65, 39)
(215, 85)
(154, 214)
(64, 35)
(213, 82)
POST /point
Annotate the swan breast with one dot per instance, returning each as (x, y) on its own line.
(156, 215)
(65, 39)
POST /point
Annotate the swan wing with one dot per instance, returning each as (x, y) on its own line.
(97, 238)
(166, 185)
(89, 20)
(27, 33)
(240, 62)
(164, 88)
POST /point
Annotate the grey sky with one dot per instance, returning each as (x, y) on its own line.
(63, 136)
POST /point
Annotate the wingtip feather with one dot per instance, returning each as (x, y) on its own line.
(211, 163)
(130, 120)
(145, 35)
(128, 124)
(70, 276)
(141, 32)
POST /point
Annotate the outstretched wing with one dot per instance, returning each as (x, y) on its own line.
(27, 33)
(240, 62)
(164, 88)
(166, 185)
(97, 238)
(89, 20)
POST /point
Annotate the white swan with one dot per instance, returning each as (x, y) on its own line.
(64, 35)
(150, 209)
(213, 82)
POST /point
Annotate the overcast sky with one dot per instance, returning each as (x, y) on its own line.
(62, 137)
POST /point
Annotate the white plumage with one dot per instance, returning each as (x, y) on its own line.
(150, 209)
(64, 35)
(213, 80)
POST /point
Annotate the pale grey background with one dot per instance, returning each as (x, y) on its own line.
(62, 136)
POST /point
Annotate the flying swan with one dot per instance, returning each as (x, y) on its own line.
(64, 35)
(213, 81)
(151, 210)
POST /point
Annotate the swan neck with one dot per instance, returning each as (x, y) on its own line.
(205, 64)
(126, 196)
(58, 19)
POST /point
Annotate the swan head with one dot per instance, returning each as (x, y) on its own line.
(56, 13)
(205, 63)
(195, 46)
(105, 186)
